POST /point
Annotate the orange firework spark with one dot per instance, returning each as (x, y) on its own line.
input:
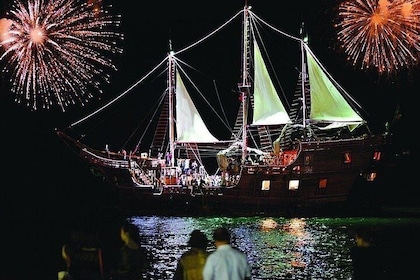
(96, 6)
(381, 34)
(5, 25)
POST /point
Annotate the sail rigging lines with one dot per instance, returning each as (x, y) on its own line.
(120, 95)
(254, 16)
(179, 68)
(209, 35)
(152, 71)
(255, 22)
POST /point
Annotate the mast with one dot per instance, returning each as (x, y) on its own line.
(171, 74)
(244, 87)
(304, 75)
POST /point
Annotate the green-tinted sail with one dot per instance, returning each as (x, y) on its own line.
(327, 103)
(268, 108)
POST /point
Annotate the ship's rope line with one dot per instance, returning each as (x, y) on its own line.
(180, 51)
(121, 95)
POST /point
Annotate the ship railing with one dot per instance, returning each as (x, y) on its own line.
(283, 158)
(109, 162)
(143, 176)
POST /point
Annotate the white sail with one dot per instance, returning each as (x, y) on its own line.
(327, 103)
(190, 127)
(268, 108)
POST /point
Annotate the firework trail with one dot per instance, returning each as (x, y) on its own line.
(381, 34)
(58, 51)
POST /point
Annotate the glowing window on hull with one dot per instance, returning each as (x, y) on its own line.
(347, 157)
(265, 185)
(323, 183)
(293, 185)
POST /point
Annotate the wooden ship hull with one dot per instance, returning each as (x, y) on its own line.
(320, 175)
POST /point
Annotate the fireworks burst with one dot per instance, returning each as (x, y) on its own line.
(383, 34)
(58, 51)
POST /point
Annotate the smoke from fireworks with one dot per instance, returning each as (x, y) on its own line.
(381, 34)
(58, 51)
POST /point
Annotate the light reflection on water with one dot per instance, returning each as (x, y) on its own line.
(277, 248)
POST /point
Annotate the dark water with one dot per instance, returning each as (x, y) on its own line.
(284, 248)
(277, 247)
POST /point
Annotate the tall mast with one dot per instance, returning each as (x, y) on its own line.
(244, 87)
(304, 75)
(171, 73)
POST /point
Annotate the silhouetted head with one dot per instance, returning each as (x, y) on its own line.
(130, 231)
(221, 234)
(198, 240)
(364, 236)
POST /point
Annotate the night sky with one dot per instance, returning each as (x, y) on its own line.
(44, 180)
(41, 172)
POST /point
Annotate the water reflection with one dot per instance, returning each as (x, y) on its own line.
(277, 248)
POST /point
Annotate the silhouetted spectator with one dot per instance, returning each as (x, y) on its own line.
(366, 258)
(226, 262)
(83, 257)
(190, 265)
(132, 258)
